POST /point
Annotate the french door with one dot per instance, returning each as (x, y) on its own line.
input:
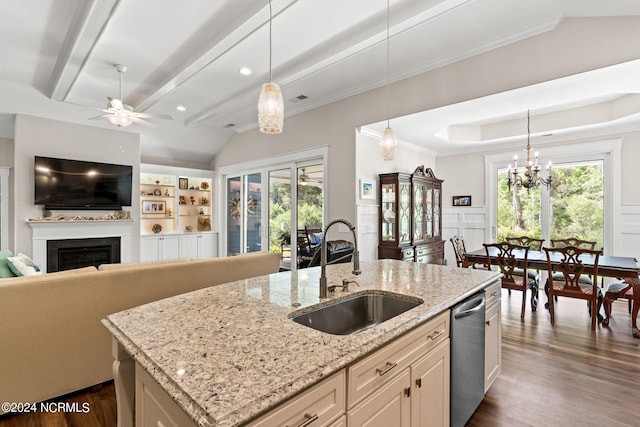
(263, 207)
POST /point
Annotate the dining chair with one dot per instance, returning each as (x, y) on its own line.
(615, 291)
(534, 245)
(564, 278)
(508, 262)
(578, 243)
(459, 250)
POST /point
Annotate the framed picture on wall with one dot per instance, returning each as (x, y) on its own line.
(183, 183)
(367, 189)
(461, 201)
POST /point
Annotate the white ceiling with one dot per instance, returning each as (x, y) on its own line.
(57, 57)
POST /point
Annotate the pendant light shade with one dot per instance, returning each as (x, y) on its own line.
(270, 104)
(270, 109)
(388, 145)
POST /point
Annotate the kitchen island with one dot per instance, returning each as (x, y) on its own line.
(227, 354)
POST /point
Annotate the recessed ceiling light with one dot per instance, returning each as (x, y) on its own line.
(181, 108)
(245, 71)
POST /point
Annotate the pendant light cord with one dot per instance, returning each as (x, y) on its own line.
(388, 87)
(270, 45)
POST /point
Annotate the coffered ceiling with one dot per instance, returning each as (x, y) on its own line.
(57, 61)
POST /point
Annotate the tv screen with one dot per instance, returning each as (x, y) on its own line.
(75, 184)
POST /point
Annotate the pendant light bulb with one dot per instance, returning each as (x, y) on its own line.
(270, 103)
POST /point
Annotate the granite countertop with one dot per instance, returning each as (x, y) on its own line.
(229, 353)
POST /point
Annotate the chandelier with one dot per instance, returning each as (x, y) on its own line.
(527, 177)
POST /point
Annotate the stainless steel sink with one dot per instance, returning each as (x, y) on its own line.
(352, 315)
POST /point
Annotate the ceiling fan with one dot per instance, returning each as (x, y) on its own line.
(306, 179)
(121, 114)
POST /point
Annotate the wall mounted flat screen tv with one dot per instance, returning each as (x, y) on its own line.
(76, 184)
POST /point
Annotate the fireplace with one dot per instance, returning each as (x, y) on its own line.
(68, 254)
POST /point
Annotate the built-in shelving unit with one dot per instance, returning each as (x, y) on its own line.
(176, 214)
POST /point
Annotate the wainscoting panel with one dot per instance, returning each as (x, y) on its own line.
(629, 232)
(469, 222)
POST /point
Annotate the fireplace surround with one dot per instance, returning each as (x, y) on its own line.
(67, 254)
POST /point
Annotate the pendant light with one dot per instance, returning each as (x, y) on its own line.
(388, 142)
(270, 105)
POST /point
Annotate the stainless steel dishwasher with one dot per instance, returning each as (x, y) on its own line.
(467, 358)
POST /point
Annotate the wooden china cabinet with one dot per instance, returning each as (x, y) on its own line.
(410, 217)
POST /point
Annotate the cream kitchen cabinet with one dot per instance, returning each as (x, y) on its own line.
(321, 405)
(154, 407)
(404, 383)
(492, 335)
(430, 393)
(159, 248)
(390, 405)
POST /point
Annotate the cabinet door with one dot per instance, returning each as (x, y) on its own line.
(388, 406)
(170, 247)
(154, 407)
(430, 394)
(190, 246)
(418, 202)
(150, 249)
(208, 247)
(493, 344)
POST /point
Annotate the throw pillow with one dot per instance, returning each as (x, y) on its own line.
(22, 265)
(5, 271)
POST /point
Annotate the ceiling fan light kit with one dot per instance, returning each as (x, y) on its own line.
(270, 103)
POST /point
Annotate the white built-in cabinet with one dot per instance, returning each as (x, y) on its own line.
(159, 248)
(4, 208)
(176, 214)
(168, 247)
(492, 335)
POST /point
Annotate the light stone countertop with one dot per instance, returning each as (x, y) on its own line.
(229, 353)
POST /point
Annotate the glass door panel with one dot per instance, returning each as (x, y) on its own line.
(310, 184)
(404, 213)
(234, 215)
(418, 211)
(389, 212)
(280, 214)
(429, 213)
(244, 211)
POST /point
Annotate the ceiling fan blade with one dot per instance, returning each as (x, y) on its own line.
(139, 121)
(152, 116)
(103, 116)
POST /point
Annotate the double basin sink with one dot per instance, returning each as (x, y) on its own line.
(355, 314)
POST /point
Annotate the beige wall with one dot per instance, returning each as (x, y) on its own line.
(575, 46)
(6, 152)
(52, 138)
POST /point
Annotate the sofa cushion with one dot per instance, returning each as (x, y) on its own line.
(5, 271)
(22, 265)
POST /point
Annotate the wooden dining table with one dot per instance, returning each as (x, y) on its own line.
(625, 268)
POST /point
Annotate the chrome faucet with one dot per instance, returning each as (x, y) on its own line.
(323, 254)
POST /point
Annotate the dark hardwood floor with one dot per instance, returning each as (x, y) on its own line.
(565, 375)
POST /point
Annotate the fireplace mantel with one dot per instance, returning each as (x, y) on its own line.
(43, 230)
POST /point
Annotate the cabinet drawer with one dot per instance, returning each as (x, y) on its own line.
(382, 365)
(492, 293)
(326, 401)
(407, 254)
